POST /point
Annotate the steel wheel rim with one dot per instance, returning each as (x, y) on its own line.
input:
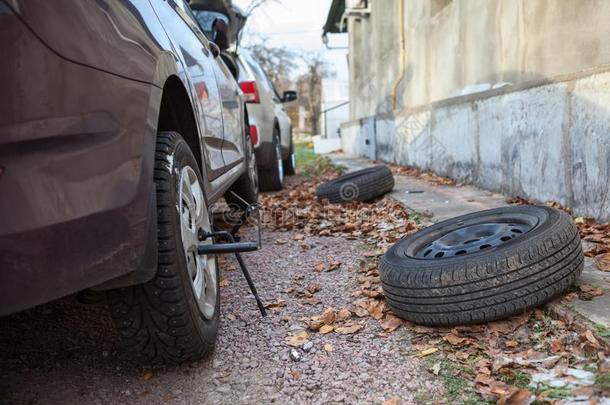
(280, 162)
(252, 168)
(474, 236)
(194, 216)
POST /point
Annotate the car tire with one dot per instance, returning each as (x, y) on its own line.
(246, 187)
(272, 179)
(515, 259)
(165, 320)
(290, 163)
(362, 185)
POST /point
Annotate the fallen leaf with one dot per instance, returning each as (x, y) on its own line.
(392, 401)
(278, 303)
(319, 267)
(591, 338)
(349, 227)
(588, 292)
(298, 339)
(436, 368)
(427, 352)
(343, 314)
(328, 348)
(147, 375)
(511, 343)
(334, 266)
(518, 397)
(348, 330)
(603, 262)
(455, 340)
(326, 329)
(281, 241)
(391, 323)
(298, 236)
(556, 346)
(376, 308)
(328, 316)
(223, 283)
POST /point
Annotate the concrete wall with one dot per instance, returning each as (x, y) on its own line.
(512, 95)
(456, 47)
(548, 142)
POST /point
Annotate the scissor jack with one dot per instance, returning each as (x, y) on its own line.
(231, 246)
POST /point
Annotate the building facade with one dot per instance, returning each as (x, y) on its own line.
(510, 95)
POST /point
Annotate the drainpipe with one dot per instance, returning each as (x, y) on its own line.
(402, 56)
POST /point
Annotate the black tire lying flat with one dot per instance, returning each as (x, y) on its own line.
(161, 321)
(487, 279)
(362, 185)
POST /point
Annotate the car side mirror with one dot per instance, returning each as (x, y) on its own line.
(289, 96)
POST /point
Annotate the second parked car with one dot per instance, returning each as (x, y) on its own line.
(270, 126)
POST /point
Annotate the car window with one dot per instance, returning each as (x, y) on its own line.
(206, 19)
(262, 76)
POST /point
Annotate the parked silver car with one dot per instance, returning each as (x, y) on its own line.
(270, 126)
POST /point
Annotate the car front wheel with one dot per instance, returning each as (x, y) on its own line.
(174, 318)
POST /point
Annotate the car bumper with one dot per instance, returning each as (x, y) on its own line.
(76, 157)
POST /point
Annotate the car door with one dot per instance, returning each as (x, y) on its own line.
(192, 48)
(230, 95)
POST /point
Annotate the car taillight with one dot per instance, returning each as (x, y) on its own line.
(250, 91)
(254, 134)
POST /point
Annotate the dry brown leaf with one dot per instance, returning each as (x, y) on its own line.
(591, 338)
(556, 346)
(281, 241)
(147, 375)
(326, 329)
(319, 267)
(278, 303)
(455, 340)
(392, 401)
(376, 308)
(334, 266)
(517, 397)
(328, 316)
(328, 348)
(298, 236)
(223, 283)
(348, 330)
(298, 339)
(391, 323)
(603, 262)
(511, 343)
(427, 352)
(343, 314)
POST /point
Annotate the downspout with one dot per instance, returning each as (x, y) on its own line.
(401, 76)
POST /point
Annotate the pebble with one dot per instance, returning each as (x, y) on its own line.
(295, 355)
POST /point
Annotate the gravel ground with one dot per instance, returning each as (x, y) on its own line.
(64, 352)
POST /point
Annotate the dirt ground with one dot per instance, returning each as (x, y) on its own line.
(65, 352)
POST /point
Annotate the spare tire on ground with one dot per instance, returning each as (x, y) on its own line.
(362, 185)
(482, 266)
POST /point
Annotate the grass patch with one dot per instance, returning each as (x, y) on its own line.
(602, 381)
(516, 378)
(602, 330)
(309, 164)
(547, 391)
(457, 387)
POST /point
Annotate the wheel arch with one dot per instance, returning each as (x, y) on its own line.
(176, 113)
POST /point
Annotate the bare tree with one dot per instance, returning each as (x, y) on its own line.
(254, 4)
(278, 63)
(309, 86)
